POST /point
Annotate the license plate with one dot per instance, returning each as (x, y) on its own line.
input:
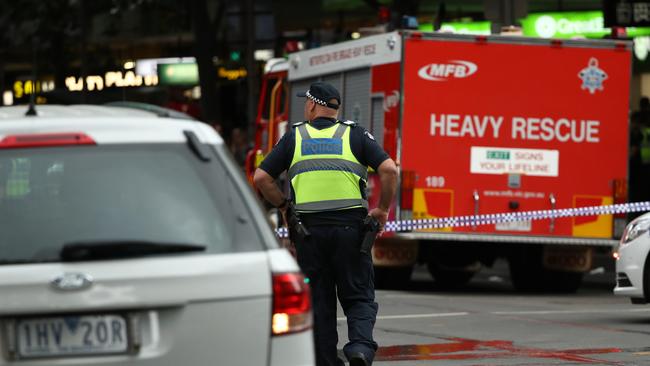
(569, 259)
(394, 253)
(71, 336)
(524, 225)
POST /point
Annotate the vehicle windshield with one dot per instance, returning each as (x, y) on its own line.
(156, 193)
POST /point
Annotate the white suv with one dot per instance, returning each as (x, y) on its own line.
(126, 238)
(633, 261)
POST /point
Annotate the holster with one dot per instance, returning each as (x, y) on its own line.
(298, 232)
(371, 228)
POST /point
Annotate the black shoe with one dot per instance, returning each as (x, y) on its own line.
(358, 359)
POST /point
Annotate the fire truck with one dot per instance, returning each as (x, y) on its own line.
(478, 125)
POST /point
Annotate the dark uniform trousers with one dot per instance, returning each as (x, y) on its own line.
(330, 258)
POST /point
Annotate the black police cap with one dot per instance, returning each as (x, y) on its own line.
(321, 93)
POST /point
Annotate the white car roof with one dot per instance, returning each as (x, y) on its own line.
(104, 124)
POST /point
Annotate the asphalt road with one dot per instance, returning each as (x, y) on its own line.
(488, 323)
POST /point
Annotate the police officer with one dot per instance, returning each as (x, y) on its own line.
(327, 162)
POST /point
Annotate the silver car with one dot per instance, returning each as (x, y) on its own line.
(633, 261)
(126, 238)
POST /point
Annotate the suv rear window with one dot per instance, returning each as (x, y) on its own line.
(159, 193)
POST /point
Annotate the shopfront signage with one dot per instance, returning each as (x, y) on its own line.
(27, 87)
(231, 74)
(149, 66)
(479, 28)
(178, 74)
(188, 73)
(588, 24)
(110, 79)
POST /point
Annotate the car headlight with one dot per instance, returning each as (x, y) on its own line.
(635, 229)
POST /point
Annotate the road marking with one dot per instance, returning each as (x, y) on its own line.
(414, 316)
(533, 312)
(588, 311)
(457, 349)
(410, 296)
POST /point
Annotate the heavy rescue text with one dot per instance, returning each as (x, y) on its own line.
(521, 128)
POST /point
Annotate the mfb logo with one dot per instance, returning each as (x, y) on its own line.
(452, 69)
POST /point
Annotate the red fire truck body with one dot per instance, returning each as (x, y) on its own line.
(482, 125)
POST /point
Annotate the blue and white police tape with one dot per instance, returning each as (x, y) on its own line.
(490, 219)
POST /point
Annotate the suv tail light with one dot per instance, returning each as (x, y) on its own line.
(291, 304)
(45, 140)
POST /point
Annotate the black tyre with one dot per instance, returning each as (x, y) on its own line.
(563, 282)
(392, 277)
(646, 279)
(528, 274)
(449, 278)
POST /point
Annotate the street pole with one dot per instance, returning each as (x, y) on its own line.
(31, 111)
(2, 75)
(251, 80)
(84, 51)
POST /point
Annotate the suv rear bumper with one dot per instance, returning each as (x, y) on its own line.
(292, 350)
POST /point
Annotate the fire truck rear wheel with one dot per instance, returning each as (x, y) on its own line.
(546, 280)
(528, 275)
(566, 282)
(392, 277)
(450, 278)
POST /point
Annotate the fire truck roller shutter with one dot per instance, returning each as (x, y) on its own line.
(356, 97)
(336, 80)
(377, 125)
(297, 104)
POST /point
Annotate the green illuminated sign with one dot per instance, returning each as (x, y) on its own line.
(500, 155)
(589, 24)
(178, 74)
(460, 27)
(235, 56)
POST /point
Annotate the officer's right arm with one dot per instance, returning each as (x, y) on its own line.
(373, 155)
(388, 177)
(277, 161)
(266, 184)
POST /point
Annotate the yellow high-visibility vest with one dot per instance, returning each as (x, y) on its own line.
(324, 173)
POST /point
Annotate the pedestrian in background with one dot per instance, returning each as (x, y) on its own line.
(238, 145)
(327, 162)
(639, 164)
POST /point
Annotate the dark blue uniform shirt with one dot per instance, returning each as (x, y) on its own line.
(364, 147)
